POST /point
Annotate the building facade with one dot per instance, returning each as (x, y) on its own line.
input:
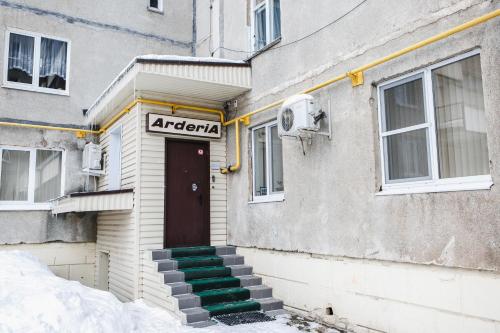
(79, 49)
(386, 221)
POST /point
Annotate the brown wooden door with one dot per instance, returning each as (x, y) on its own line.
(187, 194)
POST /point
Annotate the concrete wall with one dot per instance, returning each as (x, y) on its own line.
(102, 44)
(330, 204)
(75, 261)
(41, 226)
(104, 36)
(331, 212)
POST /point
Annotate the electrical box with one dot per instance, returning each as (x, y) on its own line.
(92, 159)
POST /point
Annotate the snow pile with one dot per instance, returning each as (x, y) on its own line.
(33, 299)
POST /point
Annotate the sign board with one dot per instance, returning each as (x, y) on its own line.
(159, 123)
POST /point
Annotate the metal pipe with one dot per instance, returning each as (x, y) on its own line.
(48, 127)
(237, 166)
(359, 70)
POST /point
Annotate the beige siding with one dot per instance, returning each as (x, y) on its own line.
(117, 231)
(152, 182)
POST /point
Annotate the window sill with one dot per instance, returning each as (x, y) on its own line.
(268, 198)
(25, 206)
(443, 185)
(26, 87)
(155, 10)
(264, 49)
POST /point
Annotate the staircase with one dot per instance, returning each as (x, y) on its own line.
(207, 281)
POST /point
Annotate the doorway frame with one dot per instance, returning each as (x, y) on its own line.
(165, 188)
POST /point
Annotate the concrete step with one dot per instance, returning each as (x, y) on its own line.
(203, 324)
(186, 301)
(270, 304)
(261, 291)
(161, 254)
(233, 259)
(194, 315)
(166, 265)
(173, 276)
(239, 270)
(225, 250)
(178, 288)
(250, 280)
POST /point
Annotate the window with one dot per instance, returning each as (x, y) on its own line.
(266, 22)
(115, 153)
(267, 163)
(433, 129)
(36, 62)
(156, 5)
(30, 176)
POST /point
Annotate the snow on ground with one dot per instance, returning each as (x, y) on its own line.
(33, 299)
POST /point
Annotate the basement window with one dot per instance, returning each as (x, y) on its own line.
(156, 6)
(433, 129)
(267, 163)
(36, 62)
(266, 25)
(30, 178)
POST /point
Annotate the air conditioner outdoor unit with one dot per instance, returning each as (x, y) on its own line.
(91, 161)
(299, 116)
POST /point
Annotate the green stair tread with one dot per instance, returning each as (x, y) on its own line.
(209, 297)
(178, 252)
(214, 283)
(232, 307)
(199, 261)
(205, 272)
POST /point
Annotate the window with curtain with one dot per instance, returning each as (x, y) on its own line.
(433, 125)
(267, 158)
(30, 175)
(51, 63)
(267, 22)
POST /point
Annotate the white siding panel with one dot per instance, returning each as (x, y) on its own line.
(116, 231)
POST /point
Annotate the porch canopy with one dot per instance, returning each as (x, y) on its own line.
(198, 81)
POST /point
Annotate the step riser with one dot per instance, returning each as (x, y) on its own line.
(216, 285)
(179, 288)
(167, 265)
(230, 260)
(200, 263)
(194, 315)
(270, 304)
(225, 250)
(241, 270)
(248, 281)
(173, 276)
(207, 274)
(260, 292)
(191, 301)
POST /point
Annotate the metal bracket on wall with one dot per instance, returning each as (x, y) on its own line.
(357, 78)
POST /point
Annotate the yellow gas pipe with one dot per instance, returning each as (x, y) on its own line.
(356, 75)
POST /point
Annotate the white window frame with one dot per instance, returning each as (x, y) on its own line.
(154, 9)
(432, 183)
(270, 196)
(36, 63)
(30, 204)
(269, 7)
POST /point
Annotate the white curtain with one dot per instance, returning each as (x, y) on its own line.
(21, 53)
(48, 175)
(260, 28)
(460, 119)
(276, 161)
(406, 153)
(53, 58)
(260, 161)
(15, 175)
(276, 19)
